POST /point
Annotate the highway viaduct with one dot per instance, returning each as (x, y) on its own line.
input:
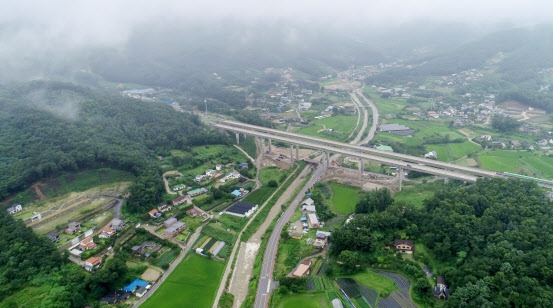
(348, 150)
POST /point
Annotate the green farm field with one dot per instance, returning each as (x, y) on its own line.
(194, 280)
(383, 285)
(522, 162)
(452, 151)
(341, 124)
(306, 300)
(344, 198)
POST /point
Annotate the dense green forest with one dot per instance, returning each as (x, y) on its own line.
(491, 240)
(47, 127)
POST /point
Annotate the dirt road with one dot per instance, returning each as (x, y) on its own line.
(167, 188)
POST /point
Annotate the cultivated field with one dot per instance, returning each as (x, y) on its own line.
(529, 163)
(307, 300)
(194, 281)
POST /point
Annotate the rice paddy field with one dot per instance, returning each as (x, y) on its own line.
(521, 162)
(195, 280)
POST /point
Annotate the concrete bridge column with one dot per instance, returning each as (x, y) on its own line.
(292, 155)
(245, 136)
(360, 167)
(327, 159)
(400, 177)
(446, 180)
(262, 148)
(270, 146)
(237, 138)
(297, 152)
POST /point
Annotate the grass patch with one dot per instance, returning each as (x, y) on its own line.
(268, 174)
(166, 258)
(249, 146)
(194, 280)
(344, 198)
(341, 125)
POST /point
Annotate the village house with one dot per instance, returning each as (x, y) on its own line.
(195, 212)
(106, 232)
(175, 229)
(167, 223)
(196, 192)
(117, 224)
(146, 248)
(53, 236)
(154, 213)
(179, 187)
(441, 290)
(404, 246)
(313, 221)
(87, 244)
(307, 202)
(179, 200)
(321, 239)
(218, 167)
(14, 208)
(303, 269)
(92, 263)
(73, 227)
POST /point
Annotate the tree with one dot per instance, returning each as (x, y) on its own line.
(273, 183)
(349, 259)
(376, 200)
(504, 123)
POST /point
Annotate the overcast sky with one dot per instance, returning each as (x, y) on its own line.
(109, 21)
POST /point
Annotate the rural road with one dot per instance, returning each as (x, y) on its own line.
(265, 279)
(175, 263)
(167, 188)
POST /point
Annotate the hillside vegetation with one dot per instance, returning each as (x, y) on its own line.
(48, 127)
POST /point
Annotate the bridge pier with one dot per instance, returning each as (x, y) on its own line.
(291, 155)
(263, 148)
(400, 174)
(297, 152)
(327, 159)
(360, 167)
(237, 138)
(270, 146)
(245, 136)
(446, 180)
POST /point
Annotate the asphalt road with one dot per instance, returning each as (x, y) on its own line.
(374, 124)
(265, 279)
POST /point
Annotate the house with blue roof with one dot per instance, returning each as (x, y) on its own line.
(137, 283)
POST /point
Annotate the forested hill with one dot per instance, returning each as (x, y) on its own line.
(46, 127)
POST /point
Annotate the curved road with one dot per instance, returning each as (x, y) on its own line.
(372, 131)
